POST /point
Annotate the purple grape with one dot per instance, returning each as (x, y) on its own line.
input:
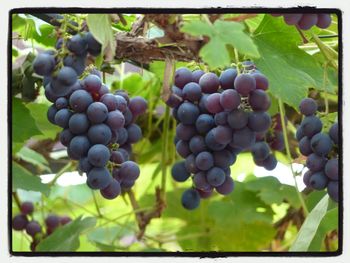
(33, 228)
(62, 118)
(112, 190)
(238, 119)
(197, 144)
(321, 144)
(98, 178)
(192, 92)
(259, 121)
(77, 44)
(190, 199)
(183, 148)
(306, 178)
(209, 83)
(292, 19)
(315, 163)
(66, 76)
(220, 118)
(179, 172)
(138, 105)
(226, 187)
(223, 158)
(44, 64)
(115, 120)
(204, 123)
(324, 20)
(212, 143)
(19, 222)
(213, 103)
(190, 164)
(318, 181)
(27, 208)
(64, 220)
(222, 134)
(51, 113)
(270, 162)
(230, 99)
(122, 104)
(110, 101)
(84, 165)
(307, 21)
(244, 84)
(204, 161)
(333, 190)
(129, 171)
(259, 100)
(97, 112)
(243, 138)
(305, 146)
(79, 146)
(333, 133)
(98, 155)
(182, 77)
(99, 134)
(197, 74)
(262, 83)
(117, 157)
(52, 221)
(331, 169)
(78, 123)
(134, 133)
(216, 176)
(80, 100)
(227, 78)
(61, 103)
(260, 151)
(65, 137)
(308, 107)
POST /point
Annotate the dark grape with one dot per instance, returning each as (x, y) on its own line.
(115, 120)
(315, 163)
(190, 164)
(134, 133)
(118, 156)
(77, 44)
(129, 118)
(94, 47)
(260, 151)
(182, 77)
(308, 107)
(306, 178)
(333, 133)
(212, 143)
(129, 170)
(110, 101)
(98, 155)
(222, 134)
(223, 158)
(27, 208)
(112, 190)
(220, 118)
(197, 144)
(321, 144)
(307, 21)
(122, 104)
(84, 165)
(259, 100)
(62, 118)
(202, 103)
(197, 74)
(64, 220)
(33, 228)
(190, 199)
(188, 113)
(243, 138)
(204, 123)
(61, 103)
(333, 190)
(79, 146)
(213, 104)
(122, 135)
(99, 134)
(259, 121)
(244, 84)
(200, 182)
(185, 132)
(318, 181)
(324, 20)
(204, 194)
(80, 100)
(138, 105)
(65, 137)
(270, 162)
(227, 78)
(179, 172)
(67, 76)
(97, 112)
(75, 62)
(299, 134)
(98, 178)
(230, 100)
(204, 161)
(44, 64)
(192, 92)
(261, 81)
(49, 94)
(78, 123)
(51, 113)
(216, 176)
(226, 187)
(331, 169)
(183, 148)
(209, 83)
(237, 119)
(292, 19)
(19, 222)
(305, 146)
(52, 221)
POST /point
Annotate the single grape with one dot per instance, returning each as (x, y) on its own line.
(209, 83)
(33, 228)
(99, 134)
(259, 121)
(299, 134)
(262, 83)
(197, 144)
(190, 164)
(331, 169)
(212, 143)
(205, 194)
(200, 181)
(243, 138)
(61, 103)
(75, 62)
(84, 165)
(216, 176)
(94, 47)
(64, 220)
(182, 77)
(324, 20)
(308, 107)
(292, 19)
(179, 172)
(333, 190)
(183, 148)
(98, 178)
(223, 158)
(112, 190)
(202, 103)
(122, 104)
(19, 222)
(222, 134)
(51, 113)
(110, 101)
(128, 116)
(190, 199)
(44, 64)
(65, 137)
(67, 76)
(230, 99)
(204, 123)
(138, 105)
(124, 94)
(103, 90)
(315, 163)
(49, 94)
(306, 178)
(97, 112)
(238, 119)
(52, 221)
(122, 136)
(79, 146)
(244, 84)
(318, 181)
(134, 133)
(62, 118)
(227, 78)
(197, 74)
(78, 123)
(188, 113)
(77, 44)
(220, 118)
(307, 21)
(98, 155)
(321, 144)
(192, 92)
(213, 104)
(260, 151)
(204, 161)
(333, 133)
(305, 146)
(259, 100)
(80, 100)
(115, 120)
(270, 162)
(226, 187)
(27, 208)
(117, 157)
(129, 170)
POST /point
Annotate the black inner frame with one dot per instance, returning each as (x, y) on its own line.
(218, 10)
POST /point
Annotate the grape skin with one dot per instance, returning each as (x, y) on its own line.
(227, 78)
(27, 208)
(209, 83)
(19, 222)
(315, 163)
(134, 133)
(308, 107)
(213, 104)
(115, 120)
(321, 144)
(324, 20)
(179, 172)
(204, 123)
(138, 105)
(331, 169)
(222, 134)
(44, 64)
(97, 112)
(129, 170)
(244, 138)
(185, 132)
(244, 84)
(259, 100)
(259, 121)
(216, 176)
(197, 74)
(98, 155)
(62, 118)
(188, 113)
(230, 100)
(33, 228)
(98, 178)
(190, 199)
(200, 181)
(99, 134)
(79, 146)
(305, 146)
(197, 144)
(112, 190)
(182, 77)
(333, 133)
(183, 149)
(262, 83)
(307, 21)
(333, 190)
(237, 119)
(80, 100)
(260, 151)
(192, 92)
(190, 164)
(78, 123)
(204, 161)
(318, 181)
(226, 187)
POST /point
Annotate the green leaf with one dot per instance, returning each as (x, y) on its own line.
(310, 226)
(290, 70)
(23, 179)
(101, 28)
(39, 112)
(23, 124)
(34, 158)
(66, 238)
(221, 34)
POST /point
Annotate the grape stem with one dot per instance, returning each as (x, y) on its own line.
(286, 142)
(16, 198)
(305, 41)
(96, 205)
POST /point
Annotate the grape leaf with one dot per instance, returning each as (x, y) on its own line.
(66, 238)
(23, 124)
(34, 158)
(310, 226)
(291, 71)
(101, 28)
(23, 179)
(221, 34)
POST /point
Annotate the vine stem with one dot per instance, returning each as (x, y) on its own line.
(96, 204)
(165, 149)
(17, 201)
(61, 172)
(286, 142)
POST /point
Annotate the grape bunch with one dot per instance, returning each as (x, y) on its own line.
(321, 149)
(98, 126)
(217, 118)
(306, 21)
(25, 221)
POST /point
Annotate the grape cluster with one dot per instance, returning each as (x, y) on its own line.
(217, 118)
(306, 21)
(98, 126)
(25, 221)
(321, 149)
